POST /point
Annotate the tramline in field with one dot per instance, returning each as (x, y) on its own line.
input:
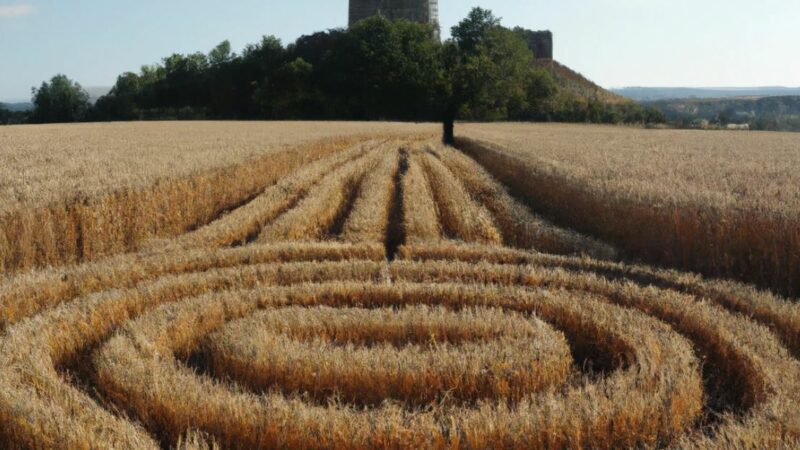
(390, 294)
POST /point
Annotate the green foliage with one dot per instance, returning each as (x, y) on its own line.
(378, 69)
(221, 54)
(768, 113)
(492, 76)
(472, 31)
(487, 70)
(13, 114)
(8, 117)
(121, 102)
(60, 100)
(392, 68)
(540, 87)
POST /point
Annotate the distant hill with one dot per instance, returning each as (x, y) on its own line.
(17, 107)
(765, 113)
(572, 82)
(660, 93)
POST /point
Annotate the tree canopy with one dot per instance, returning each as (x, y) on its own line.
(60, 100)
(376, 70)
(487, 70)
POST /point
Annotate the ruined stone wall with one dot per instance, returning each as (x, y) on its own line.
(540, 42)
(543, 44)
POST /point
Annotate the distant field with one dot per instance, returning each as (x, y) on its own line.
(721, 203)
(368, 288)
(46, 163)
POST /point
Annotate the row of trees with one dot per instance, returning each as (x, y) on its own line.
(377, 69)
(11, 117)
(769, 113)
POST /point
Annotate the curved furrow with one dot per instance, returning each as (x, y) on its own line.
(367, 302)
(135, 369)
(45, 409)
(744, 359)
(780, 315)
(30, 294)
(415, 356)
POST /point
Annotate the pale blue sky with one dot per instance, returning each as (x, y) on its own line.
(614, 42)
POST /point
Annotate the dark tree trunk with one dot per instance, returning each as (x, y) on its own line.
(448, 136)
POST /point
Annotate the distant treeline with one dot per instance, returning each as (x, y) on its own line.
(9, 116)
(376, 70)
(769, 113)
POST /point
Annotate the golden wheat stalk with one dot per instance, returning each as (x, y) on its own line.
(486, 276)
(693, 218)
(26, 295)
(250, 218)
(749, 360)
(245, 420)
(779, 314)
(416, 356)
(113, 219)
(420, 218)
(461, 217)
(41, 407)
(369, 219)
(328, 344)
(519, 226)
(195, 440)
(317, 214)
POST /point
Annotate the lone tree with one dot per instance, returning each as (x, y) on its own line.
(487, 70)
(60, 100)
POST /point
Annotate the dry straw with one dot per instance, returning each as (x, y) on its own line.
(383, 310)
(415, 356)
(461, 217)
(246, 421)
(321, 213)
(420, 216)
(721, 204)
(369, 219)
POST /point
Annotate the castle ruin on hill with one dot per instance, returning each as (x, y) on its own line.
(540, 42)
(427, 11)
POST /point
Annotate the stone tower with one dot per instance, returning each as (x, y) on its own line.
(542, 44)
(423, 11)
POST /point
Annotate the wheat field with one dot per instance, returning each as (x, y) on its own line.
(73, 193)
(387, 292)
(721, 204)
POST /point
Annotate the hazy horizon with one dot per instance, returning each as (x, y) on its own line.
(616, 43)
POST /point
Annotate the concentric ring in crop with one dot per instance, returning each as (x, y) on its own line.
(392, 295)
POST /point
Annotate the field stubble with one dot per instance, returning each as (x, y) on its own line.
(390, 294)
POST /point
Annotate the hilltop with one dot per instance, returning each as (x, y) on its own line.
(573, 82)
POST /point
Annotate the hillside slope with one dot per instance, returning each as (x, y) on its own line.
(572, 82)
